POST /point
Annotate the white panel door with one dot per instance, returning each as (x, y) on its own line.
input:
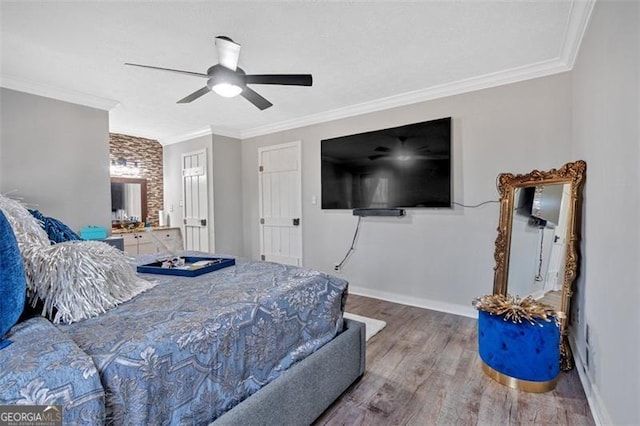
(555, 271)
(280, 193)
(196, 202)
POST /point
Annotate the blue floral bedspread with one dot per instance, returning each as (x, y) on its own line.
(43, 366)
(190, 349)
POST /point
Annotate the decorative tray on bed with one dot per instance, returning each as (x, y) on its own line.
(186, 266)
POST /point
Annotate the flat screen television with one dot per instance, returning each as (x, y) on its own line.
(117, 196)
(405, 166)
(541, 202)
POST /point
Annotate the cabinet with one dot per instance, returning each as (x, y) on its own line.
(155, 240)
(115, 241)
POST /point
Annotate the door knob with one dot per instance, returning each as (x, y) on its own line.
(296, 221)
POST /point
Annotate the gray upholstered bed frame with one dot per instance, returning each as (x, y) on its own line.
(309, 387)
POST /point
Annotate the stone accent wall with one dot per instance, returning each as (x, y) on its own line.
(148, 154)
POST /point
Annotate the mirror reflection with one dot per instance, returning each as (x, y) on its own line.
(539, 242)
(128, 201)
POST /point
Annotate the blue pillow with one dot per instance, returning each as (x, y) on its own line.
(13, 283)
(57, 231)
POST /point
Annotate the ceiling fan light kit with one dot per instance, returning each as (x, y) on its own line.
(225, 82)
(227, 90)
(228, 80)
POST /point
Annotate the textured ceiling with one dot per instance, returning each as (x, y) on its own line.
(363, 55)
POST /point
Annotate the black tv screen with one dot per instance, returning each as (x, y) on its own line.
(117, 196)
(406, 166)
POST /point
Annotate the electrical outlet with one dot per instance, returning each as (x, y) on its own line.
(591, 364)
(336, 267)
(589, 353)
(586, 335)
(586, 358)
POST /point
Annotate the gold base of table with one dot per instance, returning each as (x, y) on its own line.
(523, 385)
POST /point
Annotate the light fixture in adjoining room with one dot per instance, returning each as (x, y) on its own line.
(119, 167)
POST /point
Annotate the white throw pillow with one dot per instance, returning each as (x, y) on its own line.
(27, 229)
(80, 279)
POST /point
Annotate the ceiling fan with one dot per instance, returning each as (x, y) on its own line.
(402, 153)
(228, 80)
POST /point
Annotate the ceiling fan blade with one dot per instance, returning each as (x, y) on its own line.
(282, 79)
(195, 95)
(228, 52)
(197, 74)
(382, 149)
(378, 156)
(255, 98)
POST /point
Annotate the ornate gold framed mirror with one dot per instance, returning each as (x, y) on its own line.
(536, 250)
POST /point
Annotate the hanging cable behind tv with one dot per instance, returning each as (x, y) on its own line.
(352, 248)
(394, 212)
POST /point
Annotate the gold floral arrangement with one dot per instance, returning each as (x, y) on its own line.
(516, 309)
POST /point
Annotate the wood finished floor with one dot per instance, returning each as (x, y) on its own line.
(424, 369)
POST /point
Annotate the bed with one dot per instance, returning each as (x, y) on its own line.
(191, 349)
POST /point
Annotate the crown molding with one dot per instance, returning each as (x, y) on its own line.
(577, 23)
(57, 93)
(204, 131)
(541, 69)
(230, 133)
(132, 132)
(514, 75)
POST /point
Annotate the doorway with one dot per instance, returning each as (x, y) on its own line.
(280, 201)
(196, 201)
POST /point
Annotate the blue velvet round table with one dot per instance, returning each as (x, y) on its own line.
(520, 355)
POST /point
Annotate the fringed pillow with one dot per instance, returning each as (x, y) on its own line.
(77, 280)
(27, 229)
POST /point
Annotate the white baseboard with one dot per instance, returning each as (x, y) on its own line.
(434, 305)
(598, 409)
(538, 294)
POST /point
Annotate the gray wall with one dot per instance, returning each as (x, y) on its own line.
(606, 119)
(436, 258)
(225, 188)
(227, 180)
(56, 154)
